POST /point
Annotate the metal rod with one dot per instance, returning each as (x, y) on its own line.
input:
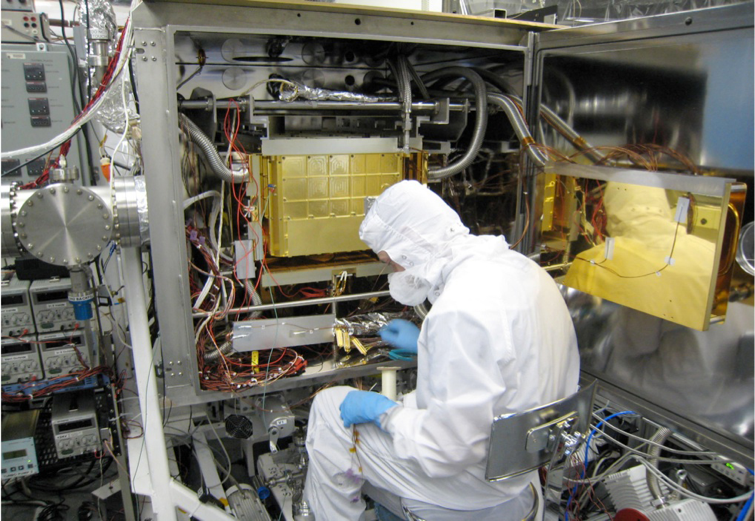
(297, 303)
(261, 107)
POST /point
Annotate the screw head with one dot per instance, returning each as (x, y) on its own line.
(144, 58)
(154, 59)
(20, 225)
(65, 261)
(99, 248)
(78, 260)
(152, 44)
(23, 236)
(107, 227)
(30, 202)
(90, 256)
(105, 216)
(91, 197)
(23, 213)
(52, 259)
(40, 253)
(29, 246)
(40, 195)
(99, 206)
(65, 189)
(52, 190)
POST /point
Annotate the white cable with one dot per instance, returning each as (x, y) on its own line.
(126, 156)
(204, 195)
(90, 113)
(225, 452)
(650, 442)
(219, 233)
(668, 460)
(672, 484)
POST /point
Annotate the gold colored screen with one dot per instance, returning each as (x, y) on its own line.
(316, 202)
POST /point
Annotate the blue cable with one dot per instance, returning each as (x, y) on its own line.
(406, 355)
(587, 454)
(745, 509)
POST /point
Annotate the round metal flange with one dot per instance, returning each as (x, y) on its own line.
(12, 200)
(65, 225)
(746, 249)
(130, 217)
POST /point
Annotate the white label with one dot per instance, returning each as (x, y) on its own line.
(280, 422)
(16, 55)
(62, 351)
(609, 247)
(9, 310)
(15, 357)
(58, 305)
(682, 206)
(8, 22)
(64, 436)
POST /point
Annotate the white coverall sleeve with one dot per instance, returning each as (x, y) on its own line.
(466, 361)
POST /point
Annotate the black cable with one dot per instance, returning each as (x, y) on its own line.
(54, 512)
(19, 167)
(79, 483)
(133, 88)
(76, 86)
(72, 52)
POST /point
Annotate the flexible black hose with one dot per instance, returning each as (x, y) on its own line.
(481, 120)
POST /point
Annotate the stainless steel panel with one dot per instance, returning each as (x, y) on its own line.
(683, 81)
(699, 382)
(165, 36)
(160, 152)
(258, 335)
(666, 80)
(521, 442)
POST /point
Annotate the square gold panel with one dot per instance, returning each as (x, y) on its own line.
(316, 202)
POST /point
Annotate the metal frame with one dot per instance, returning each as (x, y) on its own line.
(643, 33)
(716, 440)
(155, 28)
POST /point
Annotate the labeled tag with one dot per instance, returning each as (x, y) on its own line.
(682, 207)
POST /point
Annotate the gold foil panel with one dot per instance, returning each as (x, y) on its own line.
(659, 249)
(316, 202)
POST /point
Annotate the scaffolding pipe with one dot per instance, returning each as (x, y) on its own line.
(146, 382)
(297, 303)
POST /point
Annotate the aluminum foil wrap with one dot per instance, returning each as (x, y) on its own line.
(368, 324)
(98, 17)
(140, 188)
(111, 114)
(294, 90)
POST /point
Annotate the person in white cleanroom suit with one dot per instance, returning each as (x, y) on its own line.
(498, 340)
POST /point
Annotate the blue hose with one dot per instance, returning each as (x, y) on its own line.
(587, 454)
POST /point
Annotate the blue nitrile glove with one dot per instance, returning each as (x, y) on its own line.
(364, 407)
(402, 334)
